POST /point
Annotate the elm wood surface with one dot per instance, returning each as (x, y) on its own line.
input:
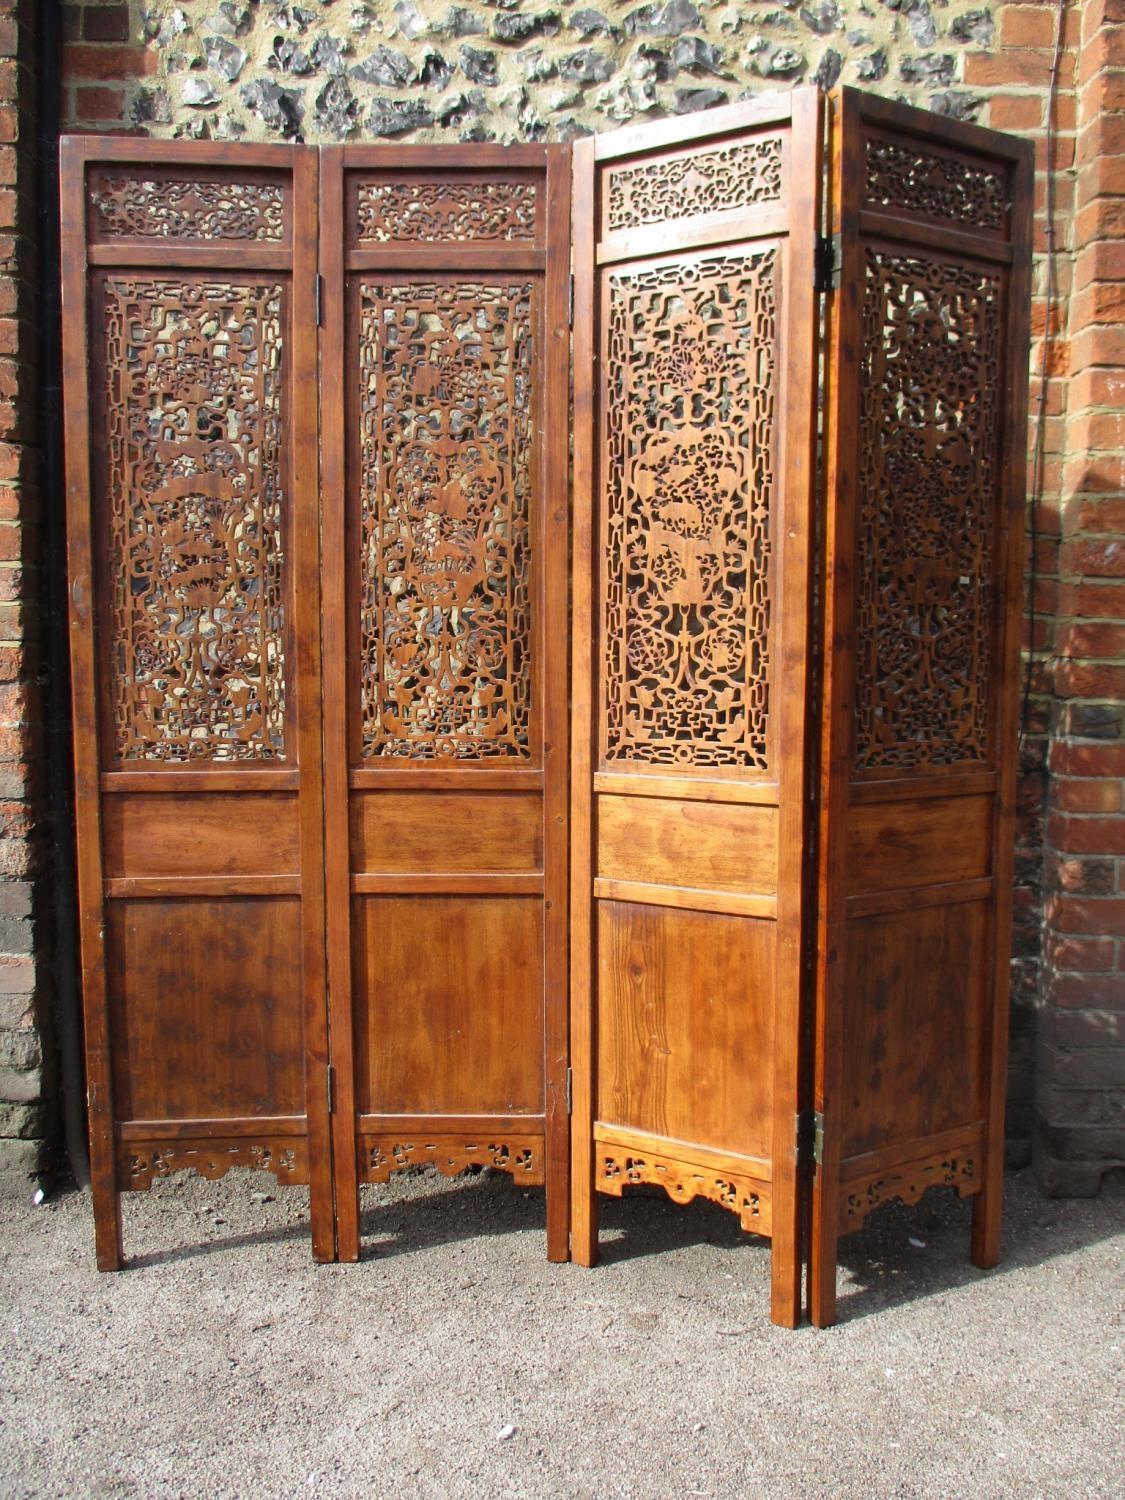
(192, 521)
(694, 413)
(926, 417)
(444, 391)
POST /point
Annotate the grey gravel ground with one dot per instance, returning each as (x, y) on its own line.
(223, 1363)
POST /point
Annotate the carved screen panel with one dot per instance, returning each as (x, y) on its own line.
(686, 184)
(690, 414)
(926, 449)
(191, 374)
(194, 492)
(929, 436)
(445, 505)
(446, 461)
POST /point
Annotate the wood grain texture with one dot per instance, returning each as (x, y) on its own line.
(702, 844)
(929, 841)
(420, 832)
(449, 1004)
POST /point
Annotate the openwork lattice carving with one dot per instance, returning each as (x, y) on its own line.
(454, 211)
(941, 187)
(193, 519)
(705, 182)
(908, 1183)
(288, 1160)
(163, 208)
(929, 455)
(522, 1156)
(690, 407)
(618, 1169)
(446, 466)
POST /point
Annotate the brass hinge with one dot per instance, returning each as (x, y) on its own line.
(827, 259)
(810, 1135)
(319, 301)
(331, 1089)
(570, 301)
(570, 1091)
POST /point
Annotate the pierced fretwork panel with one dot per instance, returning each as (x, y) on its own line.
(153, 205)
(194, 494)
(447, 456)
(431, 211)
(940, 187)
(929, 420)
(690, 411)
(741, 175)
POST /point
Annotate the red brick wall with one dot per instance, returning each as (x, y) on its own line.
(27, 1072)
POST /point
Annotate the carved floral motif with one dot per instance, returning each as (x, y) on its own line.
(929, 441)
(451, 211)
(164, 208)
(287, 1160)
(701, 182)
(522, 1156)
(690, 407)
(907, 1183)
(446, 465)
(618, 1169)
(941, 187)
(193, 486)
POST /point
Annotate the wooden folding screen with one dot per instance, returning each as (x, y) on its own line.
(922, 569)
(444, 382)
(189, 283)
(324, 899)
(695, 401)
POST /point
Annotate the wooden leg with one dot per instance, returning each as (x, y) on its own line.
(785, 1255)
(558, 1216)
(583, 1207)
(347, 1221)
(987, 1205)
(822, 1265)
(108, 1246)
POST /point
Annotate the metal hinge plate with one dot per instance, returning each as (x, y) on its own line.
(570, 1091)
(320, 301)
(331, 1089)
(570, 301)
(810, 1135)
(827, 259)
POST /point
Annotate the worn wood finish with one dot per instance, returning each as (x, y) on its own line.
(192, 517)
(444, 392)
(922, 570)
(694, 249)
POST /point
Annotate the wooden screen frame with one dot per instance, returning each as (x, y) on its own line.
(800, 113)
(452, 1141)
(209, 1145)
(905, 1168)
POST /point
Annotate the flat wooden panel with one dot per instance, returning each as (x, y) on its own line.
(448, 1004)
(928, 841)
(695, 844)
(913, 1060)
(455, 832)
(206, 1008)
(198, 834)
(685, 1025)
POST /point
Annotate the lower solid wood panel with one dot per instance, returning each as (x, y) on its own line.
(206, 1009)
(685, 1025)
(709, 845)
(914, 1024)
(448, 1004)
(919, 841)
